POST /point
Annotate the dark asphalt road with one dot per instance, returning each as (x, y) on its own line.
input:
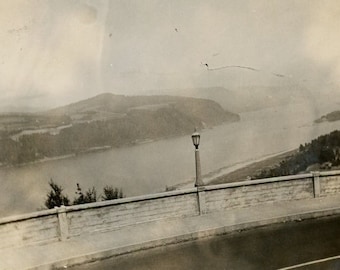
(271, 247)
(329, 265)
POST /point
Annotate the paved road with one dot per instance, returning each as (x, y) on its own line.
(328, 265)
(272, 247)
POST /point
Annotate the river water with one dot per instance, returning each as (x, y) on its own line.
(150, 167)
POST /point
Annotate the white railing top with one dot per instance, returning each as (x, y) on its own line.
(36, 214)
(131, 199)
(260, 181)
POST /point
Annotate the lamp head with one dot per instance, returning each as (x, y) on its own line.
(196, 139)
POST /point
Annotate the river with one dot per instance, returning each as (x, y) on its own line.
(150, 167)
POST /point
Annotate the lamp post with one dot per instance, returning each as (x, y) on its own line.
(196, 141)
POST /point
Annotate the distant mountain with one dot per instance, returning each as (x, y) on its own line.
(102, 122)
(16, 108)
(330, 117)
(109, 106)
(242, 99)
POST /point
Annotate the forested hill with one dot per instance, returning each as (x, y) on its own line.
(321, 153)
(105, 121)
(109, 106)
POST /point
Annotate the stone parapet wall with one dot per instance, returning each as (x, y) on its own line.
(111, 215)
(252, 193)
(62, 223)
(330, 183)
(39, 227)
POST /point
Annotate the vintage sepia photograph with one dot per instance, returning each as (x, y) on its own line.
(169, 134)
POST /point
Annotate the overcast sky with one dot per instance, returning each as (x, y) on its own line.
(55, 52)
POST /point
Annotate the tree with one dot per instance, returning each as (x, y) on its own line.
(301, 148)
(55, 196)
(111, 193)
(89, 196)
(326, 155)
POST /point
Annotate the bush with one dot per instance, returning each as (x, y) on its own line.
(111, 193)
(55, 196)
(89, 196)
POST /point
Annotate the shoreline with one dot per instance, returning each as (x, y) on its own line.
(238, 171)
(47, 159)
(43, 160)
(97, 149)
(245, 170)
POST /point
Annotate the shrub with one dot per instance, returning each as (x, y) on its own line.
(55, 196)
(89, 196)
(111, 193)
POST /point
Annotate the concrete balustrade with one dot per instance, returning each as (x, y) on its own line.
(38, 227)
(62, 223)
(248, 193)
(110, 215)
(329, 183)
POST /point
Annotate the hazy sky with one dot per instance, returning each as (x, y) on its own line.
(57, 51)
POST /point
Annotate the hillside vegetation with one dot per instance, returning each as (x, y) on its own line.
(321, 153)
(108, 121)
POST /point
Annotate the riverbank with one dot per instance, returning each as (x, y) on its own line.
(43, 160)
(244, 171)
(67, 156)
(96, 149)
(238, 171)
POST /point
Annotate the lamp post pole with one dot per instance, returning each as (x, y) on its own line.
(196, 141)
